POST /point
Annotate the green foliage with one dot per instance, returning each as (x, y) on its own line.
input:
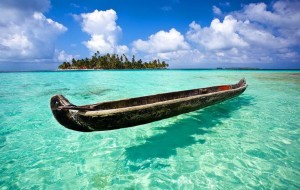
(112, 61)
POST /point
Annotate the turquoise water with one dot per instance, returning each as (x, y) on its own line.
(250, 142)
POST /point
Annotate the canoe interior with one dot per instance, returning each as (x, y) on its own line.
(159, 97)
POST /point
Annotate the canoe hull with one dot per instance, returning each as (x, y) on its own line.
(86, 121)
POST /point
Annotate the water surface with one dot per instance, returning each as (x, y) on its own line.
(250, 142)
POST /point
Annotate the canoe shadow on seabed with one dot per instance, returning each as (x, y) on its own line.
(180, 134)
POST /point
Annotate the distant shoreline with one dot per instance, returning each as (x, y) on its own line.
(238, 68)
(77, 69)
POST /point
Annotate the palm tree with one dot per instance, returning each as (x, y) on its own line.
(112, 61)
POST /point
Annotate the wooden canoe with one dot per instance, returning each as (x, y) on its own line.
(141, 110)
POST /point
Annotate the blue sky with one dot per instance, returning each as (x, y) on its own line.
(40, 34)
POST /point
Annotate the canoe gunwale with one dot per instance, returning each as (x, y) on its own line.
(99, 112)
(66, 105)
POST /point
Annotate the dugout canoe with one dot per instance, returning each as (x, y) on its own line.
(141, 110)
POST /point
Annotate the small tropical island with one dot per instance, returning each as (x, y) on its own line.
(111, 61)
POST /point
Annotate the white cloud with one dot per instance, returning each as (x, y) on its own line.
(217, 10)
(99, 43)
(121, 49)
(161, 42)
(255, 35)
(282, 14)
(104, 31)
(283, 20)
(100, 22)
(251, 35)
(218, 36)
(25, 33)
(180, 57)
(63, 56)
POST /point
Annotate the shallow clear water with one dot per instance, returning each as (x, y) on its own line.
(250, 142)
